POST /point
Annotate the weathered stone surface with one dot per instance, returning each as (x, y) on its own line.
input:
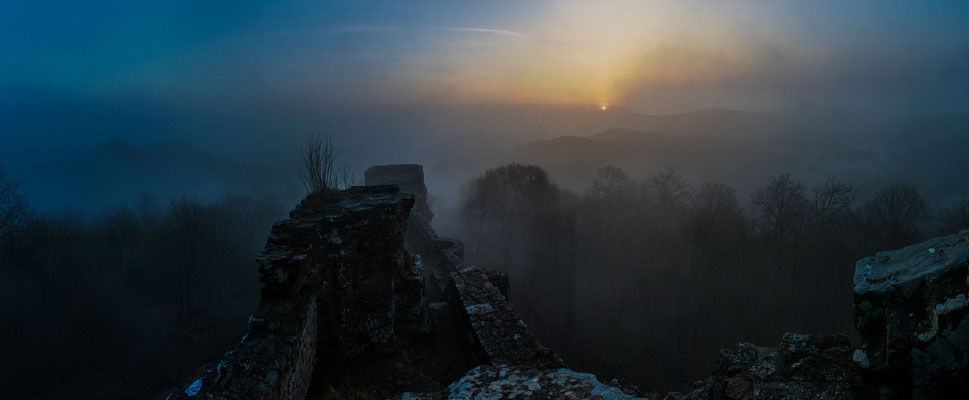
(417, 396)
(335, 271)
(367, 282)
(497, 335)
(912, 311)
(523, 382)
(803, 367)
(408, 177)
(445, 254)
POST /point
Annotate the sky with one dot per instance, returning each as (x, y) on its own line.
(242, 77)
(652, 56)
(75, 73)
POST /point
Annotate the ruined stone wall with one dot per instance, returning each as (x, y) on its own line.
(445, 254)
(336, 269)
(493, 329)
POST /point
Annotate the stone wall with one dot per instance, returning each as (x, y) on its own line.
(335, 271)
(409, 178)
(444, 255)
(493, 331)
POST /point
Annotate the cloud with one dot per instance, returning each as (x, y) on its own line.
(354, 29)
(391, 28)
(678, 76)
(499, 32)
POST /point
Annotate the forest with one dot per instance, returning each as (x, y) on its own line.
(639, 278)
(646, 278)
(133, 296)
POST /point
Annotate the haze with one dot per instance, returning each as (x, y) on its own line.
(234, 77)
(652, 132)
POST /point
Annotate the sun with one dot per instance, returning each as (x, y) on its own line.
(603, 107)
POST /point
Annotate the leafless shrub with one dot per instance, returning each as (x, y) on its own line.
(347, 177)
(316, 172)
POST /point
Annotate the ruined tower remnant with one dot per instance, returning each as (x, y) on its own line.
(336, 280)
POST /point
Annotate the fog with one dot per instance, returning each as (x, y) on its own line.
(144, 151)
(653, 131)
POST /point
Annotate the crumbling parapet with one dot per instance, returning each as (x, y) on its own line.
(368, 282)
(496, 335)
(409, 178)
(336, 270)
(912, 311)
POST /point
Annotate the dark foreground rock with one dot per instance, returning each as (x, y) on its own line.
(522, 382)
(912, 311)
(802, 367)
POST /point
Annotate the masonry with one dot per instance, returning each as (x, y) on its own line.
(362, 299)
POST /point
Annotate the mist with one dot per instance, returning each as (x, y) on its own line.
(648, 134)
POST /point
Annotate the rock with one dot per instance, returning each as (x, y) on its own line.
(417, 396)
(408, 177)
(912, 311)
(802, 367)
(495, 333)
(522, 382)
(739, 388)
(335, 269)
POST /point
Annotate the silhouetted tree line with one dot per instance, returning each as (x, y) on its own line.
(83, 293)
(647, 279)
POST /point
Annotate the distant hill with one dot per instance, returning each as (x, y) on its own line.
(740, 148)
(456, 143)
(623, 134)
(574, 160)
(118, 173)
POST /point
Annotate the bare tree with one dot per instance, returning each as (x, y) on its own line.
(670, 190)
(14, 211)
(780, 207)
(894, 213)
(317, 173)
(570, 207)
(125, 230)
(832, 204)
(716, 202)
(611, 181)
(186, 230)
(956, 216)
